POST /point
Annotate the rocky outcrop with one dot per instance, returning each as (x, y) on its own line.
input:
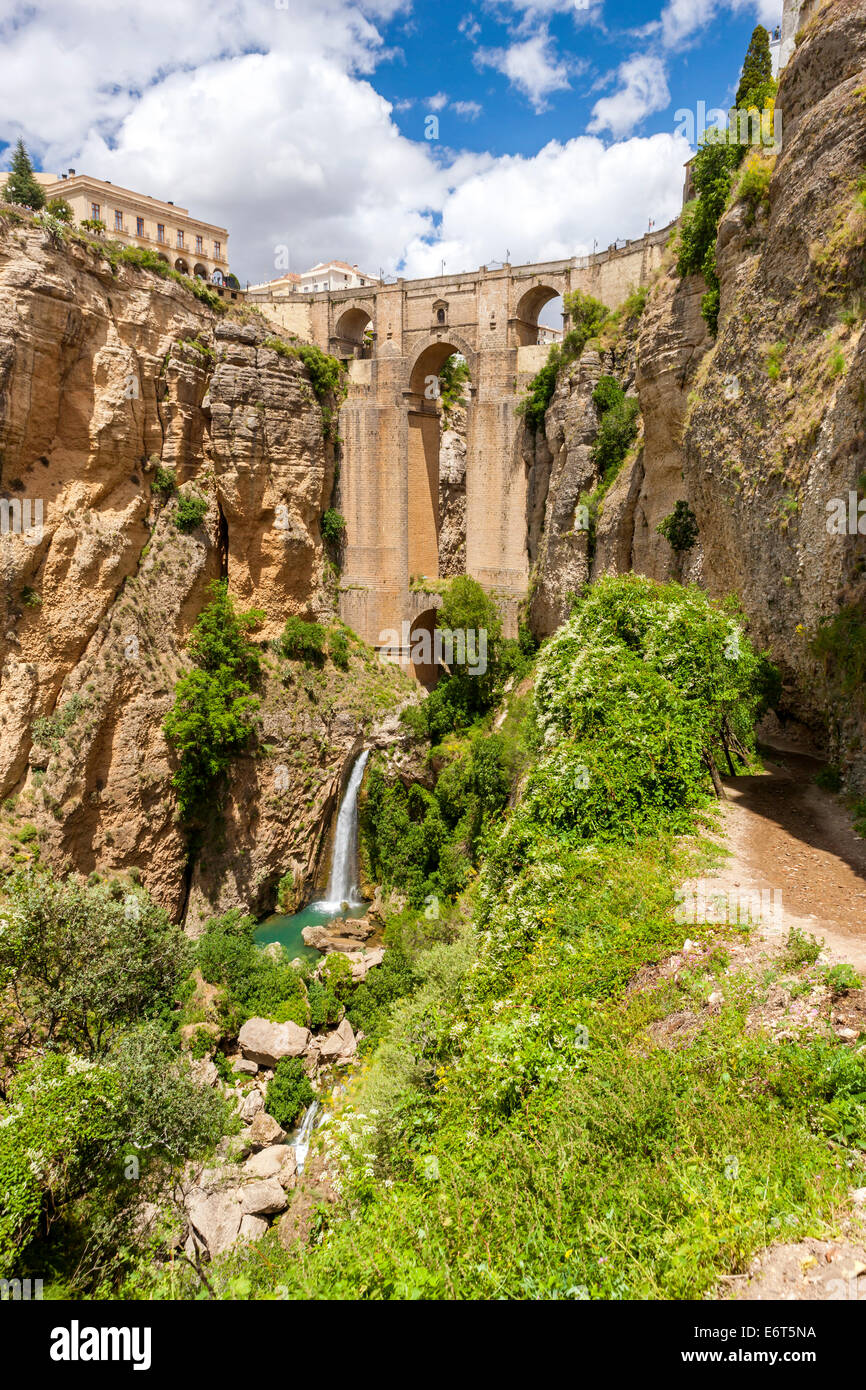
(264, 1042)
(776, 429)
(105, 376)
(452, 493)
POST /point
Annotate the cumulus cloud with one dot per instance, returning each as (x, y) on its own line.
(267, 121)
(642, 90)
(531, 65)
(553, 204)
(470, 110)
(682, 19)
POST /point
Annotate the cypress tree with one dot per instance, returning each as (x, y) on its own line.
(756, 82)
(21, 186)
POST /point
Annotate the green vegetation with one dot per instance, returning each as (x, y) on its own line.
(588, 316)
(59, 208)
(31, 598)
(289, 1092)
(617, 429)
(164, 482)
(99, 1092)
(775, 354)
(255, 983)
(303, 641)
(842, 978)
(523, 1130)
(22, 186)
(452, 379)
(214, 712)
(680, 527)
(327, 376)
(756, 84)
(49, 730)
(333, 527)
(840, 644)
(191, 511)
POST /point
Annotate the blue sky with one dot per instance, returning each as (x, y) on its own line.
(301, 127)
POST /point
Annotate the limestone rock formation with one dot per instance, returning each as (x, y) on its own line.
(106, 376)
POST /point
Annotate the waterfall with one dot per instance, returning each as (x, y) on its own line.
(301, 1140)
(343, 881)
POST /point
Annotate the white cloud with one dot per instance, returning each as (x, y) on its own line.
(555, 203)
(468, 109)
(681, 19)
(267, 121)
(642, 90)
(530, 65)
(437, 101)
(470, 27)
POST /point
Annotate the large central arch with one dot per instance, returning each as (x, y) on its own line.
(424, 438)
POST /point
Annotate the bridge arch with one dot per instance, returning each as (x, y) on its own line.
(351, 329)
(429, 359)
(530, 305)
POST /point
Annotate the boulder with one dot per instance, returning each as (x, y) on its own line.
(265, 1043)
(265, 1131)
(252, 1227)
(204, 1072)
(362, 961)
(244, 1067)
(340, 1045)
(215, 1218)
(269, 1162)
(250, 1106)
(263, 1198)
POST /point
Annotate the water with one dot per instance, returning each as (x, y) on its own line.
(287, 928)
(300, 1140)
(342, 882)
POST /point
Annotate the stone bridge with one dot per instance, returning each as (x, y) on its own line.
(395, 338)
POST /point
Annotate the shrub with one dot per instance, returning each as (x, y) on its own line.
(774, 360)
(680, 527)
(617, 432)
(257, 984)
(285, 889)
(214, 710)
(333, 526)
(301, 640)
(801, 948)
(338, 646)
(30, 597)
(842, 978)
(85, 962)
(829, 779)
(587, 315)
(59, 208)
(163, 482)
(289, 1092)
(191, 512)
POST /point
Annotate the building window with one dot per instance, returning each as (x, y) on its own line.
(139, 226)
(160, 231)
(180, 241)
(118, 220)
(199, 246)
(217, 251)
(94, 211)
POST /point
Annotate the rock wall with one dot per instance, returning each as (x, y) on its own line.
(104, 376)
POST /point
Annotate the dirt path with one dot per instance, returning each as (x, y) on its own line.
(788, 836)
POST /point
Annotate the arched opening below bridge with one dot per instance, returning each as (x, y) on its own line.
(538, 311)
(353, 334)
(422, 649)
(439, 411)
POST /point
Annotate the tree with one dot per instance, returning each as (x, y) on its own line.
(756, 83)
(22, 186)
(59, 208)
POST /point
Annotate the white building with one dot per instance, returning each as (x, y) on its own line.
(334, 275)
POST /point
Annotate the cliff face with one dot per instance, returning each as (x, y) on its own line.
(776, 429)
(760, 430)
(104, 377)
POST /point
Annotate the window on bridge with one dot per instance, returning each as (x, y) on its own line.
(539, 317)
